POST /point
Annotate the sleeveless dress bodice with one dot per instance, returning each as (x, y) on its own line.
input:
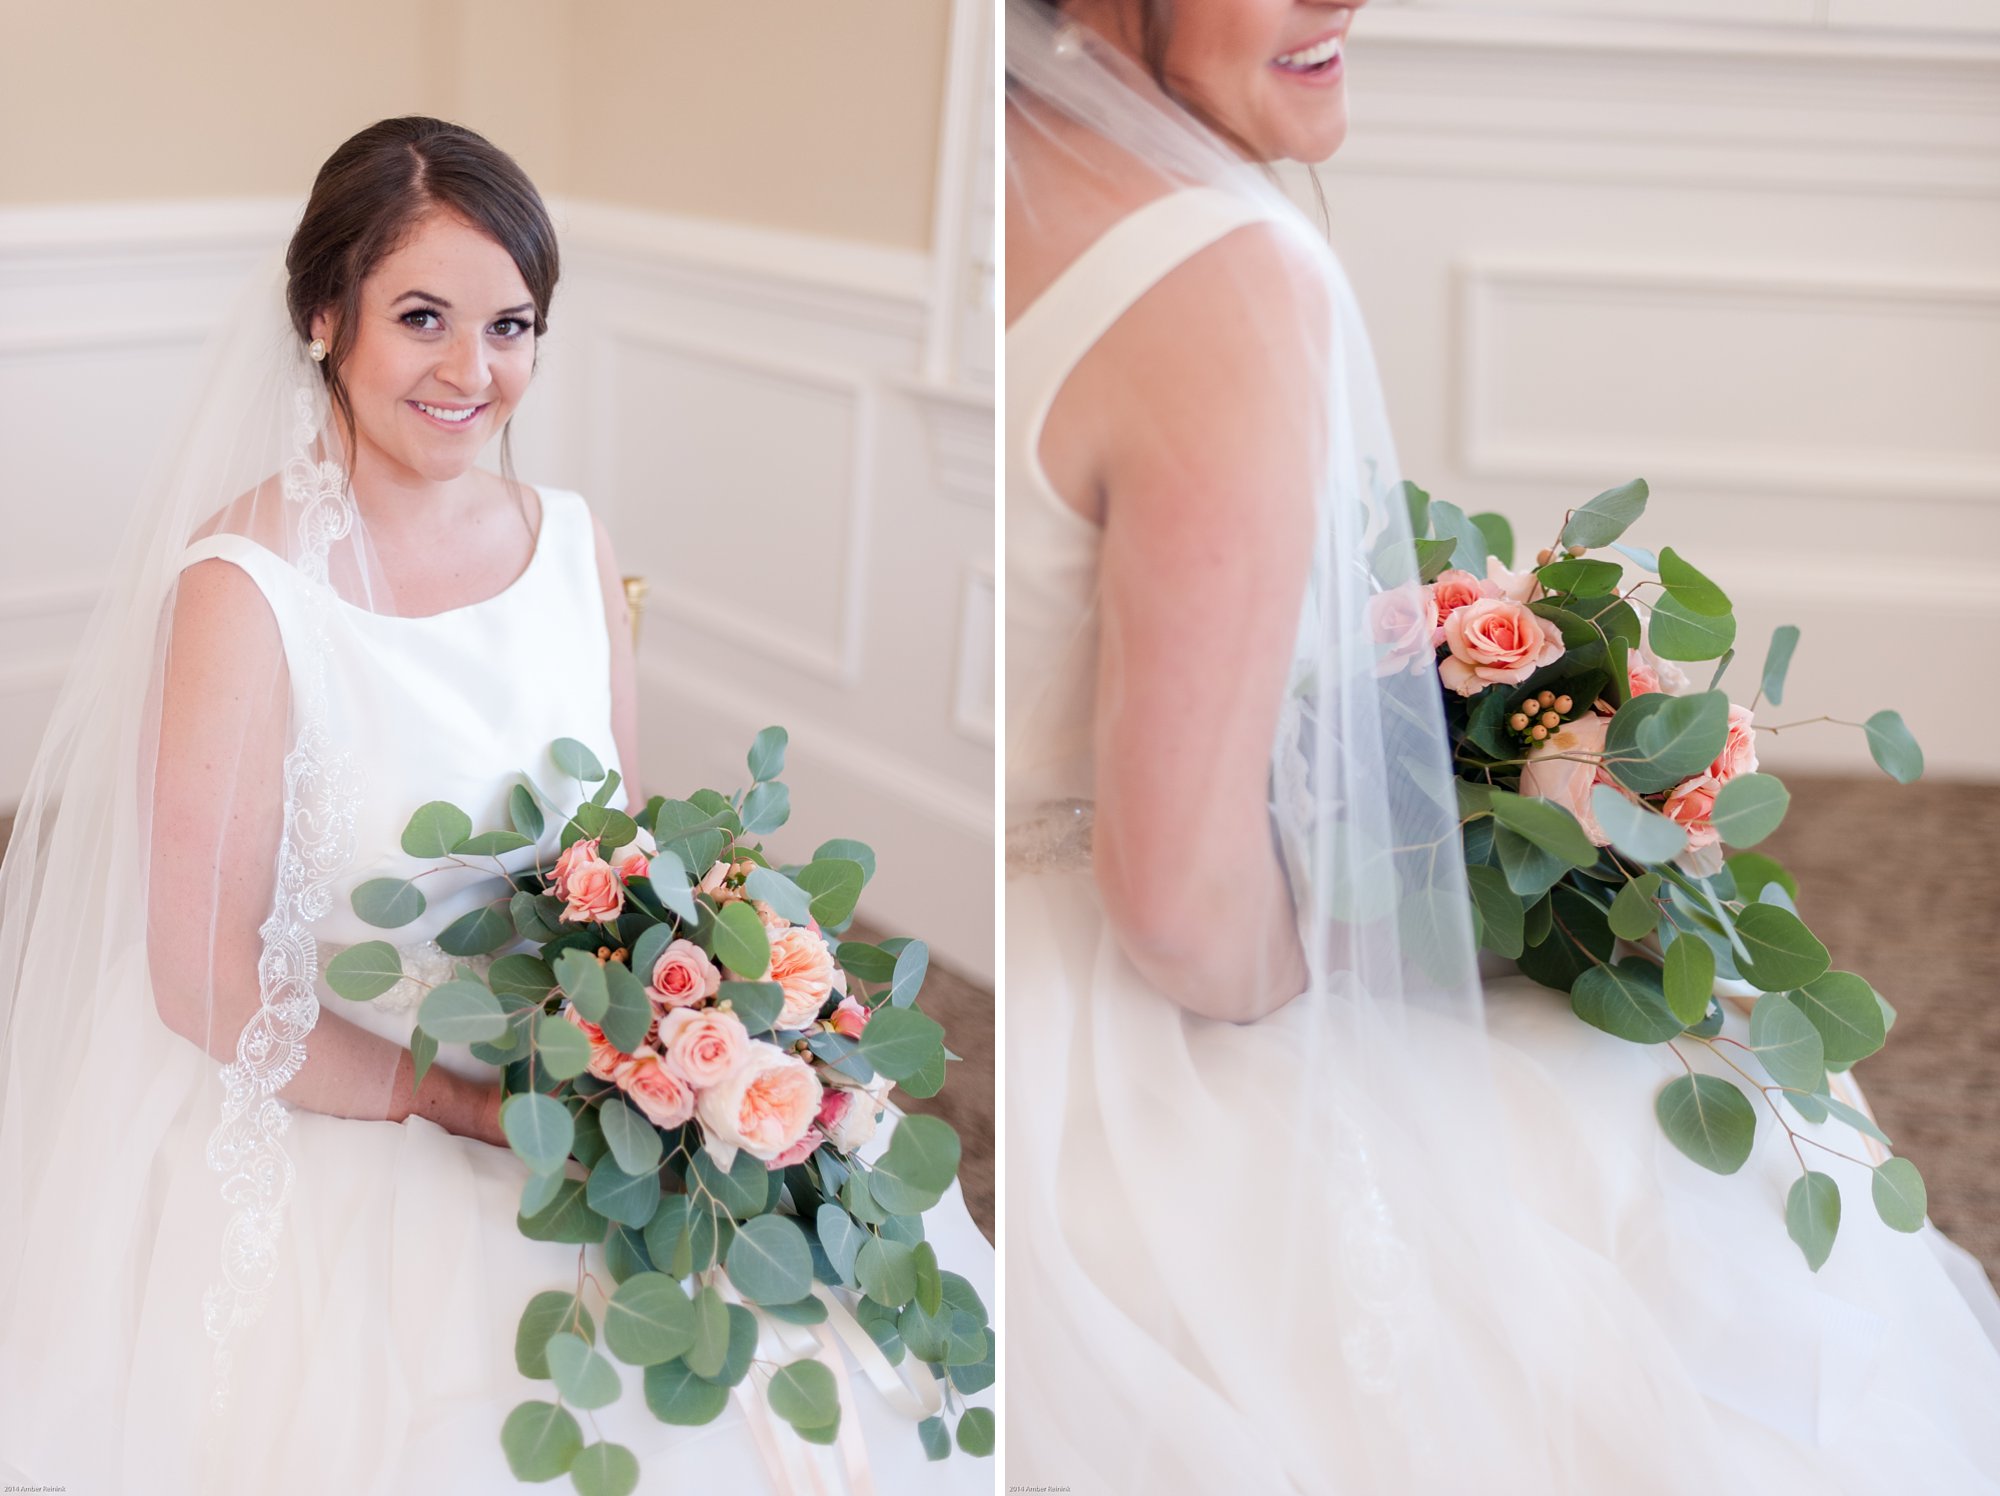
(1052, 549)
(458, 706)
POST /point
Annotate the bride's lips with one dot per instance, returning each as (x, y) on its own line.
(446, 423)
(1317, 63)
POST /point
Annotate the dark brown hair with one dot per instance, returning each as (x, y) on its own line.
(368, 197)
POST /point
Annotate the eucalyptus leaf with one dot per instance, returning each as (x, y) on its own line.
(804, 1395)
(1812, 1216)
(920, 1164)
(524, 813)
(1900, 1197)
(834, 886)
(975, 1432)
(1778, 660)
(605, 1469)
(741, 942)
(765, 808)
(899, 1042)
(1678, 632)
(364, 972)
(628, 1009)
(1893, 748)
(584, 1378)
(1500, 912)
(576, 760)
(1845, 1011)
(1788, 1044)
(675, 1395)
(1635, 912)
(478, 932)
(709, 1351)
(1547, 825)
(1709, 1119)
(561, 1046)
(649, 1319)
(1657, 740)
(1689, 588)
(1607, 516)
(540, 1439)
(423, 1050)
(387, 903)
(840, 1238)
(1637, 830)
(569, 1219)
(769, 1262)
(1778, 951)
(887, 1271)
(767, 754)
(583, 981)
(1626, 999)
(1499, 536)
(1749, 808)
(538, 1128)
(492, 844)
(634, 1141)
(783, 895)
(756, 1004)
(435, 829)
(1529, 871)
(462, 1012)
(1449, 522)
(547, 1313)
(1688, 979)
(912, 964)
(669, 878)
(1857, 1119)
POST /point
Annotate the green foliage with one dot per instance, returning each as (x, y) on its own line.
(649, 1320)
(1499, 910)
(1778, 951)
(524, 814)
(975, 1432)
(560, 1045)
(1894, 750)
(1753, 871)
(741, 942)
(1845, 1011)
(605, 1469)
(1788, 1044)
(765, 808)
(436, 830)
(769, 1261)
(1900, 1197)
(462, 1012)
(804, 1395)
(1709, 1120)
(364, 972)
(1688, 979)
(920, 1164)
(1778, 660)
(545, 1315)
(576, 760)
(387, 903)
(479, 931)
(1812, 1216)
(540, 1440)
(834, 886)
(708, 1353)
(1680, 633)
(584, 1378)
(1635, 829)
(677, 1396)
(901, 1042)
(1749, 808)
(887, 1271)
(1581, 938)
(1635, 912)
(1607, 516)
(1449, 522)
(1626, 1000)
(781, 893)
(1689, 589)
(1498, 535)
(539, 1129)
(629, 1199)
(913, 963)
(1547, 825)
(1657, 740)
(767, 754)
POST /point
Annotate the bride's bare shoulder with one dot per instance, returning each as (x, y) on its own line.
(256, 514)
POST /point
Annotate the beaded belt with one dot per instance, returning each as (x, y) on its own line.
(1050, 837)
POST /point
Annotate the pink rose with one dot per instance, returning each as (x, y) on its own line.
(633, 864)
(1739, 749)
(1515, 586)
(1496, 642)
(850, 1018)
(684, 976)
(848, 1113)
(1563, 769)
(1450, 592)
(1691, 803)
(803, 966)
(704, 1044)
(1403, 619)
(1640, 673)
(800, 1151)
(655, 1089)
(763, 1107)
(588, 885)
(605, 1057)
(711, 881)
(1666, 675)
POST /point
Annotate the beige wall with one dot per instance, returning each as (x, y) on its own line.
(793, 114)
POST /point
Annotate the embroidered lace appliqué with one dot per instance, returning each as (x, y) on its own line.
(321, 796)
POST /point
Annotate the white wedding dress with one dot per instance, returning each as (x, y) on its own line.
(384, 1359)
(1144, 1354)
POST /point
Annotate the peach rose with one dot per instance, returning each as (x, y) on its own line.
(1739, 749)
(665, 1098)
(588, 885)
(711, 881)
(1450, 592)
(1403, 619)
(803, 966)
(633, 864)
(800, 1151)
(850, 1018)
(704, 1044)
(683, 976)
(1515, 586)
(769, 917)
(1639, 671)
(763, 1107)
(1567, 780)
(1691, 803)
(605, 1057)
(1496, 642)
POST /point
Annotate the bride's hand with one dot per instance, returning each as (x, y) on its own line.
(470, 1108)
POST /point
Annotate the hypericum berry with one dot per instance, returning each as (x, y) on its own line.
(1538, 732)
(1547, 699)
(1542, 556)
(1576, 551)
(1564, 705)
(1551, 719)
(1519, 721)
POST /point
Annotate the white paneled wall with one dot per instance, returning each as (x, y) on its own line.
(1752, 257)
(753, 414)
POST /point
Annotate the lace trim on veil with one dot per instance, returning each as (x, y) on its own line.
(321, 796)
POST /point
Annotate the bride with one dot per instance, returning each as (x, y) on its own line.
(1296, 1201)
(239, 1250)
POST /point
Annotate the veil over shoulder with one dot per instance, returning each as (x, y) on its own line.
(1358, 1245)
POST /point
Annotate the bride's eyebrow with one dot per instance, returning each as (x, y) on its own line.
(442, 305)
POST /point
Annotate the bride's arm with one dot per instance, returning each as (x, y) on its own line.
(624, 669)
(216, 817)
(1208, 474)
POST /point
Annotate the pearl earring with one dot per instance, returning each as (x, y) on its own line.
(317, 350)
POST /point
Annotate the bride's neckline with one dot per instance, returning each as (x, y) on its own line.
(533, 565)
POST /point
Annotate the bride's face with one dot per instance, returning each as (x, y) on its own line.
(1269, 71)
(446, 326)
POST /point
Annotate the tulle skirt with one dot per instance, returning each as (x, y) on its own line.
(1627, 1323)
(384, 1359)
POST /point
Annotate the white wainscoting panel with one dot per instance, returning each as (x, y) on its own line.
(754, 416)
(1749, 261)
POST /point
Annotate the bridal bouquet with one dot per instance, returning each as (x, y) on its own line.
(693, 1063)
(1608, 807)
